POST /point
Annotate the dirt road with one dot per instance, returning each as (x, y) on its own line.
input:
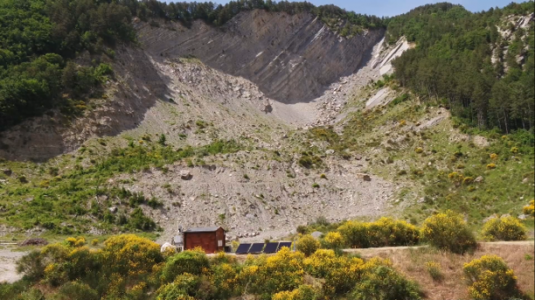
(8, 259)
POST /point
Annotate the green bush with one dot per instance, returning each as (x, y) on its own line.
(434, 271)
(307, 244)
(138, 220)
(77, 290)
(489, 278)
(310, 161)
(184, 285)
(504, 229)
(32, 294)
(190, 261)
(448, 231)
(384, 283)
(31, 265)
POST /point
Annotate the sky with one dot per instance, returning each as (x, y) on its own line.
(390, 8)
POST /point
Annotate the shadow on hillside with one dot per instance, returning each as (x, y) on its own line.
(139, 85)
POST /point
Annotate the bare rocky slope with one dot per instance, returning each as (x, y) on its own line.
(260, 80)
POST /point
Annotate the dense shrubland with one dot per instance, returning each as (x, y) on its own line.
(452, 63)
(129, 267)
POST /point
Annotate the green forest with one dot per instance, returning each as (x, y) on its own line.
(452, 62)
(39, 41)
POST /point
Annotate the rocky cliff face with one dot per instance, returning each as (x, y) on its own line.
(291, 58)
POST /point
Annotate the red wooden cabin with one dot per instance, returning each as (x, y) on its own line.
(210, 239)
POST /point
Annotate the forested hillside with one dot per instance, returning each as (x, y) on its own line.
(38, 41)
(479, 64)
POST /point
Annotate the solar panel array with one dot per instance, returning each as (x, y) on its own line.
(284, 244)
(271, 248)
(258, 248)
(243, 249)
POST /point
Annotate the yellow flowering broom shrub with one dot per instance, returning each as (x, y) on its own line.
(381, 233)
(307, 244)
(130, 267)
(223, 276)
(448, 231)
(389, 232)
(355, 234)
(334, 240)
(491, 166)
(504, 229)
(75, 242)
(266, 276)
(529, 209)
(489, 278)
(130, 254)
(339, 272)
(81, 262)
(304, 292)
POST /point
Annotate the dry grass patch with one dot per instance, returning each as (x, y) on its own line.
(412, 262)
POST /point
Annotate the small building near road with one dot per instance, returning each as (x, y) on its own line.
(210, 239)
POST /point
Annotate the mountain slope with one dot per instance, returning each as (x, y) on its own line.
(255, 137)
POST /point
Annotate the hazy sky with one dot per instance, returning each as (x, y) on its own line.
(396, 7)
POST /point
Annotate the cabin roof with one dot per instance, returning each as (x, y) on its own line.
(202, 229)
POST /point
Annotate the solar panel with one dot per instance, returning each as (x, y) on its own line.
(284, 244)
(256, 248)
(243, 248)
(271, 248)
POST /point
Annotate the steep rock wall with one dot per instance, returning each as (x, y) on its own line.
(291, 58)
